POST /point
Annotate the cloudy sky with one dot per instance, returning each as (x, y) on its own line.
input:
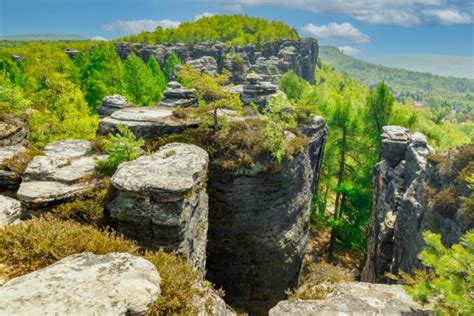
(380, 30)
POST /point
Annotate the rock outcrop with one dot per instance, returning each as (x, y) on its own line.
(84, 284)
(403, 207)
(10, 211)
(72, 53)
(257, 91)
(112, 103)
(11, 134)
(258, 228)
(145, 122)
(353, 298)
(205, 64)
(63, 172)
(161, 201)
(177, 96)
(274, 59)
(8, 179)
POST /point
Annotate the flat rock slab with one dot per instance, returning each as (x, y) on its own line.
(173, 170)
(353, 298)
(8, 179)
(145, 122)
(84, 284)
(59, 174)
(10, 211)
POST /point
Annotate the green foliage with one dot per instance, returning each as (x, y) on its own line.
(19, 162)
(292, 85)
(120, 147)
(213, 98)
(170, 63)
(448, 282)
(141, 86)
(63, 113)
(447, 93)
(12, 98)
(159, 76)
(231, 29)
(379, 109)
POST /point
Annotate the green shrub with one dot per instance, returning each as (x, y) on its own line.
(448, 282)
(40, 242)
(120, 147)
(19, 162)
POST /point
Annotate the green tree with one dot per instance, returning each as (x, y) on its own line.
(140, 85)
(12, 99)
(292, 85)
(157, 73)
(448, 281)
(379, 109)
(170, 63)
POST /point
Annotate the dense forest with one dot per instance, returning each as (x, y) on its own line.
(57, 97)
(452, 99)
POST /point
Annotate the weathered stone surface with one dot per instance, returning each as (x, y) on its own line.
(145, 122)
(15, 133)
(8, 180)
(270, 60)
(72, 53)
(257, 91)
(161, 201)
(402, 208)
(205, 64)
(59, 174)
(84, 284)
(10, 211)
(353, 298)
(177, 96)
(258, 230)
(112, 103)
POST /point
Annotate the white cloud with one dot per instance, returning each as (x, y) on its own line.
(343, 32)
(400, 12)
(348, 50)
(202, 15)
(449, 16)
(99, 38)
(137, 26)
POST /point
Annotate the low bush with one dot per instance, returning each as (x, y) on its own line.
(40, 242)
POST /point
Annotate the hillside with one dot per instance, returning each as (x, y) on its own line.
(409, 86)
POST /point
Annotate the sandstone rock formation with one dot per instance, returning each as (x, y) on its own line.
(257, 91)
(403, 207)
(298, 56)
(8, 179)
(353, 298)
(14, 133)
(112, 103)
(72, 53)
(175, 95)
(161, 201)
(258, 228)
(84, 284)
(205, 64)
(61, 173)
(145, 122)
(10, 211)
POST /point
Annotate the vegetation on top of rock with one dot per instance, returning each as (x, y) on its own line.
(120, 148)
(40, 242)
(447, 283)
(232, 29)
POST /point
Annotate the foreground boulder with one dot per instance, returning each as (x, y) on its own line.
(259, 227)
(145, 122)
(63, 172)
(412, 195)
(84, 284)
(10, 211)
(353, 298)
(161, 201)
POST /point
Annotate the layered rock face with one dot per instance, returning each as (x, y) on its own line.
(257, 91)
(258, 229)
(270, 60)
(111, 104)
(145, 122)
(10, 211)
(177, 96)
(84, 284)
(13, 141)
(161, 201)
(403, 208)
(353, 298)
(60, 174)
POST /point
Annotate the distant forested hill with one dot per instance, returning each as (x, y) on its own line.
(452, 96)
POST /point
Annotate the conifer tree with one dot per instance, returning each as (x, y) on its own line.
(140, 85)
(157, 73)
(379, 109)
(170, 63)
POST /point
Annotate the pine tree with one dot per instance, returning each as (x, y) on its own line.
(379, 109)
(157, 73)
(170, 63)
(140, 85)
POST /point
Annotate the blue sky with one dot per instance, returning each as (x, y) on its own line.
(367, 28)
